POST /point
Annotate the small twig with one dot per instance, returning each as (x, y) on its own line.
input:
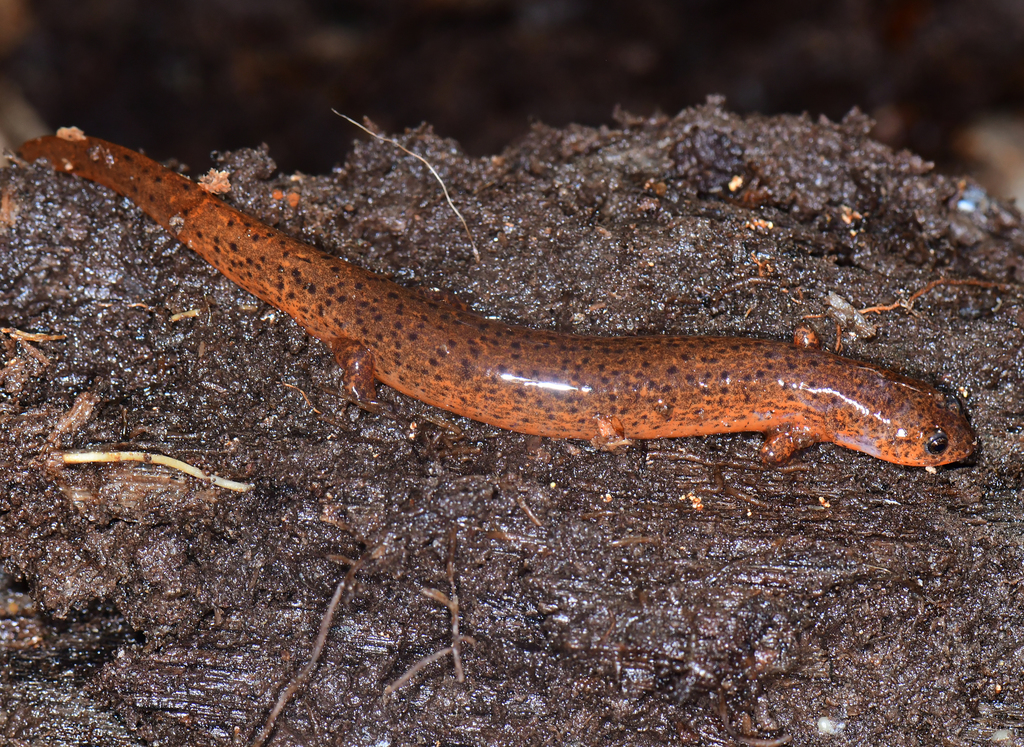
(90, 457)
(318, 647)
(727, 489)
(18, 334)
(521, 502)
(415, 668)
(638, 540)
(908, 304)
(184, 315)
(721, 293)
(608, 632)
(425, 662)
(454, 607)
(23, 340)
(457, 638)
(304, 396)
(425, 162)
(79, 414)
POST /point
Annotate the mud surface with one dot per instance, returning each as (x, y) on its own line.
(677, 593)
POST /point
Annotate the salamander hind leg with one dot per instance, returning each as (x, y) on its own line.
(783, 443)
(356, 362)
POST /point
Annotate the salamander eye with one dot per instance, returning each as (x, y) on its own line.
(937, 443)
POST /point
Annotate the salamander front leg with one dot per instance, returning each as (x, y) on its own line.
(356, 362)
(785, 442)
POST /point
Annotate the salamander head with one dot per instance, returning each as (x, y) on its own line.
(928, 429)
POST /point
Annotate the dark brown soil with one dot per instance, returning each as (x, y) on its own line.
(677, 593)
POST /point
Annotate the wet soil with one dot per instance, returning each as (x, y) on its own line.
(678, 592)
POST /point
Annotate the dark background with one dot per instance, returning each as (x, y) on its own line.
(184, 77)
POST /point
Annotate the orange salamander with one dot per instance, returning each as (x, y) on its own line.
(605, 389)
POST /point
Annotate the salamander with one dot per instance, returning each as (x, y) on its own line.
(535, 381)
